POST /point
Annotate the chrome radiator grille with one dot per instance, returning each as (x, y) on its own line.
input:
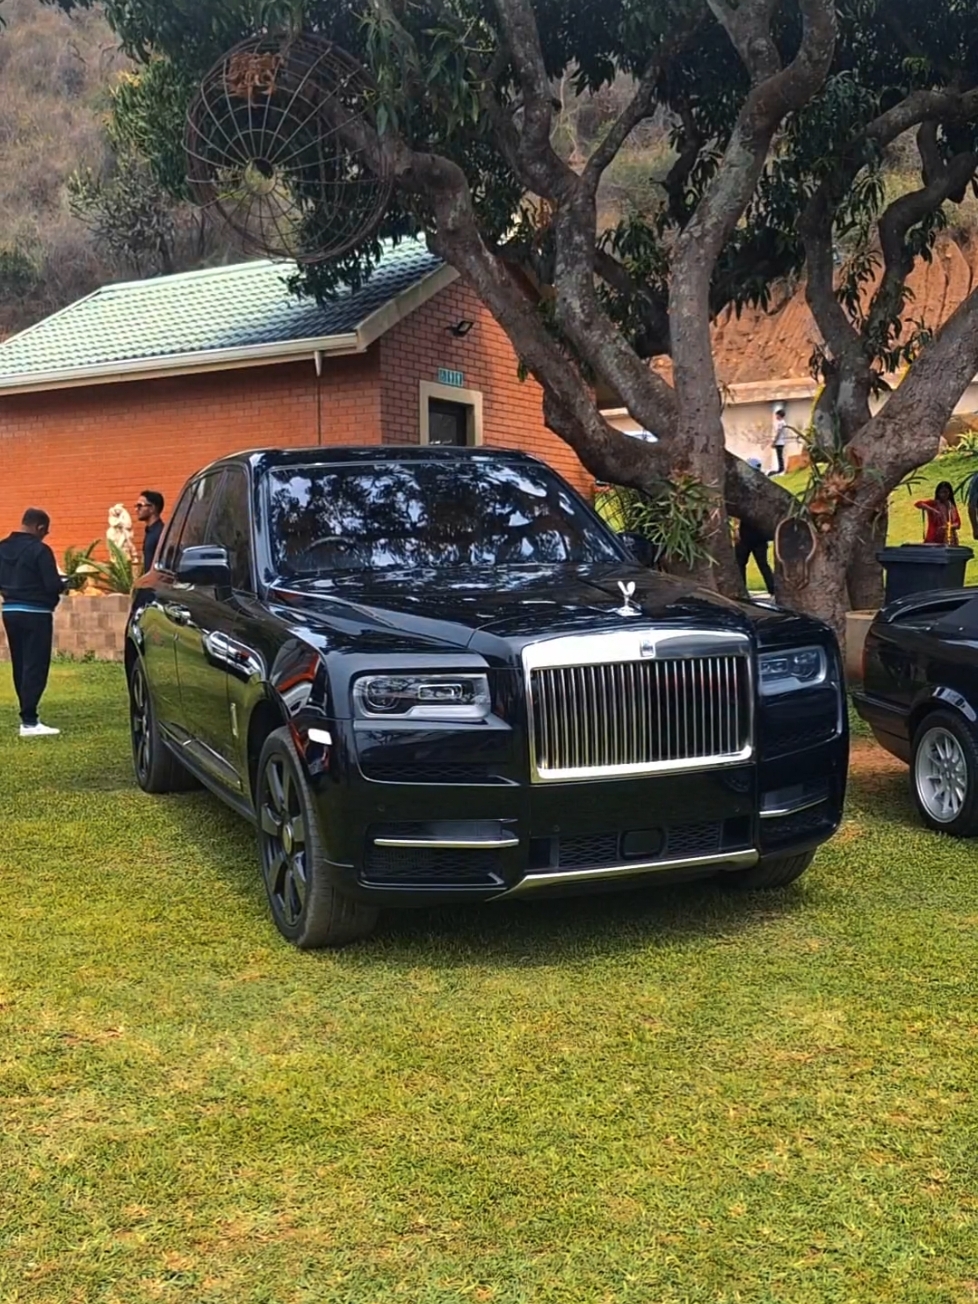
(640, 716)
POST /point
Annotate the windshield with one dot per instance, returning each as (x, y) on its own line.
(330, 519)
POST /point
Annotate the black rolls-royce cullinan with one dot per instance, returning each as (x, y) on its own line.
(435, 675)
(920, 698)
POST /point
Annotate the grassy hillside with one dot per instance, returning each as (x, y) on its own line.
(55, 72)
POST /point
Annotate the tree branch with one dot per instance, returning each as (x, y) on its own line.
(910, 112)
(784, 91)
(891, 442)
(931, 158)
(851, 371)
(838, 332)
(902, 214)
(652, 308)
(730, 190)
(752, 496)
(638, 108)
(636, 111)
(749, 29)
(679, 173)
(536, 152)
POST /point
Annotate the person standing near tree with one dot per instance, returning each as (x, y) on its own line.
(941, 517)
(780, 438)
(149, 510)
(31, 588)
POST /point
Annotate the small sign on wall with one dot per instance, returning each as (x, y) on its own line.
(456, 379)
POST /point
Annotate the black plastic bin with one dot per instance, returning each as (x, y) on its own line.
(921, 567)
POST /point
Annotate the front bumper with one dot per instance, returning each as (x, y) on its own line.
(413, 844)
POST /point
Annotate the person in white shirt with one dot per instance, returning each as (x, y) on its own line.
(780, 439)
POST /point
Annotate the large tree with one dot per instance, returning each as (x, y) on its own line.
(782, 113)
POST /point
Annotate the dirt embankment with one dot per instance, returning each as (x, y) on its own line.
(778, 344)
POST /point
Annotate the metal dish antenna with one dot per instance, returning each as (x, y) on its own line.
(268, 144)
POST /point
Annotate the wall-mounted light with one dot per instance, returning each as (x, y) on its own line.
(460, 328)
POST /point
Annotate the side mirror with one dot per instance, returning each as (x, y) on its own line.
(205, 565)
(639, 547)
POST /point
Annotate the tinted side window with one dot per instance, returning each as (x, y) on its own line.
(166, 558)
(230, 527)
(195, 532)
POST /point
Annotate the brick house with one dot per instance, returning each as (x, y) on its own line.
(140, 384)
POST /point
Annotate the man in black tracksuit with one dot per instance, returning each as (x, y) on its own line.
(31, 589)
(753, 541)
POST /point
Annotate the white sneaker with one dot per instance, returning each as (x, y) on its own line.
(38, 731)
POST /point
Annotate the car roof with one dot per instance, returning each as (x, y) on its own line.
(263, 459)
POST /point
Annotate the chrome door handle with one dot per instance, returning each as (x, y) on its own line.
(233, 654)
(179, 615)
(220, 648)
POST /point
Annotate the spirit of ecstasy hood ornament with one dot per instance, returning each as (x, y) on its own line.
(627, 592)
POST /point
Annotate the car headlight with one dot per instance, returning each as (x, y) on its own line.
(423, 697)
(792, 669)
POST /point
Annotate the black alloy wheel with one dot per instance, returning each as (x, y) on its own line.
(283, 842)
(140, 725)
(307, 909)
(157, 769)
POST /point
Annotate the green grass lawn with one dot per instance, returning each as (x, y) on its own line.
(677, 1097)
(906, 523)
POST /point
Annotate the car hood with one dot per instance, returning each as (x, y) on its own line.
(468, 609)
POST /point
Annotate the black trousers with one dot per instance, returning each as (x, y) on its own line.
(779, 454)
(743, 552)
(29, 639)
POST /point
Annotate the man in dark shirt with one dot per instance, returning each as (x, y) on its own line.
(31, 588)
(149, 510)
(751, 540)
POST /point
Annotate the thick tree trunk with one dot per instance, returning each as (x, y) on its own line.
(825, 595)
(865, 575)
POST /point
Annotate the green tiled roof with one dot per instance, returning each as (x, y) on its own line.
(247, 306)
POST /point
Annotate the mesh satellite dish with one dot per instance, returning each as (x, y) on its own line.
(268, 148)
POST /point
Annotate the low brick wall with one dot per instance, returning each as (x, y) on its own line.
(88, 627)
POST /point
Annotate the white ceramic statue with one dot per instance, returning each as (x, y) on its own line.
(120, 531)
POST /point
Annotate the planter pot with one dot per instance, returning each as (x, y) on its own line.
(857, 627)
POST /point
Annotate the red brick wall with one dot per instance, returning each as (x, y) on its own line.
(75, 452)
(512, 411)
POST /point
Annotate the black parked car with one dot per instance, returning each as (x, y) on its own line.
(435, 675)
(920, 698)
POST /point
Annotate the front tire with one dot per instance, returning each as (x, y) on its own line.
(773, 871)
(157, 769)
(944, 774)
(308, 911)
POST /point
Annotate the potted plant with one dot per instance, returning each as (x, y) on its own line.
(118, 574)
(81, 570)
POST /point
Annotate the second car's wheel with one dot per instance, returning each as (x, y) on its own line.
(307, 909)
(772, 871)
(157, 769)
(944, 774)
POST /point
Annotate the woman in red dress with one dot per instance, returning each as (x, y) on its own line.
(941, 516)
